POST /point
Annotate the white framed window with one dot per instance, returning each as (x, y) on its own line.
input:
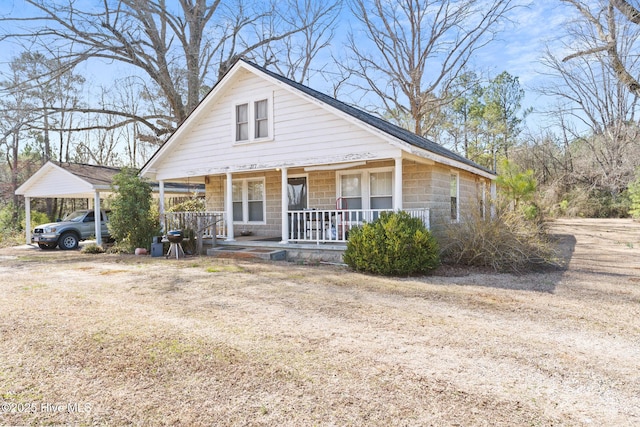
(242, 122)
(454, 191)
(366, 189)
(261, 109)
(249, 201)
(253, 120)
(381, 190)
(481, 189)
(351, 190)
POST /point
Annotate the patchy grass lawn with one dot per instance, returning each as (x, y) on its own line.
(113, 339)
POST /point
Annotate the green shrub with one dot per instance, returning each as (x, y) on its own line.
(193, 204)
(507, 243)
(117, 250)
(132, 222)
(9, 238)
(92, 248)
(634, 196)
(395, 244)
(37, 218)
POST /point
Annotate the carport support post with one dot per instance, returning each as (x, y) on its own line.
(229, 209)
(27, 218)
(98, 217)
(285, 207)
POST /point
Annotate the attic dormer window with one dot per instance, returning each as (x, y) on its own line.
(254, 120)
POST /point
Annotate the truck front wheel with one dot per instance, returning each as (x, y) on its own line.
(68, 241)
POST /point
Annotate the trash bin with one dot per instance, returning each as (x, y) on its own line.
(157, 249)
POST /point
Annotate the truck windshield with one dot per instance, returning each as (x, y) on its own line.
(75, 216)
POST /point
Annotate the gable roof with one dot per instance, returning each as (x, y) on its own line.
(394, 132)
(380, 124)
(56, 179)
(77, 180)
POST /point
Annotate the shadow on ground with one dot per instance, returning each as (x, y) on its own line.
(543, 279)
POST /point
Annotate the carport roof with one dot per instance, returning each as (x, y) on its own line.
(55, 179)
(76, 180)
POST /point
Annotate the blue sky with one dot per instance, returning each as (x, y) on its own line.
(517, 51)
(520, 48)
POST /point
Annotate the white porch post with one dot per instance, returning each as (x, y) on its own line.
(161, 204)
(494, 196)
(229, 209)
(97, 217)
(285, 207)
(161, 196)
(397, 197)
(27, 218)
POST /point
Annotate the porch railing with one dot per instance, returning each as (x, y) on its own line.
(333, 225)
(208, 221)
(314, 225)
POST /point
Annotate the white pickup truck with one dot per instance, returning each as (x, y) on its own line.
(75, 227)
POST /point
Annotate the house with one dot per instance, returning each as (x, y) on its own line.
(80, 181)
(284, 162)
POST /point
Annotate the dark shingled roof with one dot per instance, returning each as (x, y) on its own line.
(378, 123)
(95, 175)
(103, 175)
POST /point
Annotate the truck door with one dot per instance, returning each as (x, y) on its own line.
(88, 226)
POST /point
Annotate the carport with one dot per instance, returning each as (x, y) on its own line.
(67, 180)
(81, 181)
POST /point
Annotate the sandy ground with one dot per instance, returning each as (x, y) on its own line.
(124, 340)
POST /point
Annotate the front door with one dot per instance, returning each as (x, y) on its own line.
(297, 192)
(297, 189)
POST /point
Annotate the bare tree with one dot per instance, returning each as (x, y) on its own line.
(419, 47)
(608, 36)
(177, 45)
(16, 113)
(294, 56)
(604, 157)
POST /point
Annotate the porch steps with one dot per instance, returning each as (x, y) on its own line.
(270, 254)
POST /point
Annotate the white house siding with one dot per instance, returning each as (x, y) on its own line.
(304, 134)
(58, 182)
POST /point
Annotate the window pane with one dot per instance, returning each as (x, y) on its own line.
(381, 184)
(256, 190)
(261, 109)
(381, 202)
(237, 192)
(351, 187)
(352, 203)
(262, 128)
(454, 186)
(242, 132)
(237, 211)
(242, 112)
(255, 211)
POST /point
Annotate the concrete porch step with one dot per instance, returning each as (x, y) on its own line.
(271, 254)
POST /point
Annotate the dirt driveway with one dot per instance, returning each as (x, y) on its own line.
(117, 340)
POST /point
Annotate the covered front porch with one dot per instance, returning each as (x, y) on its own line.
(310, 226)
(316, 205)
